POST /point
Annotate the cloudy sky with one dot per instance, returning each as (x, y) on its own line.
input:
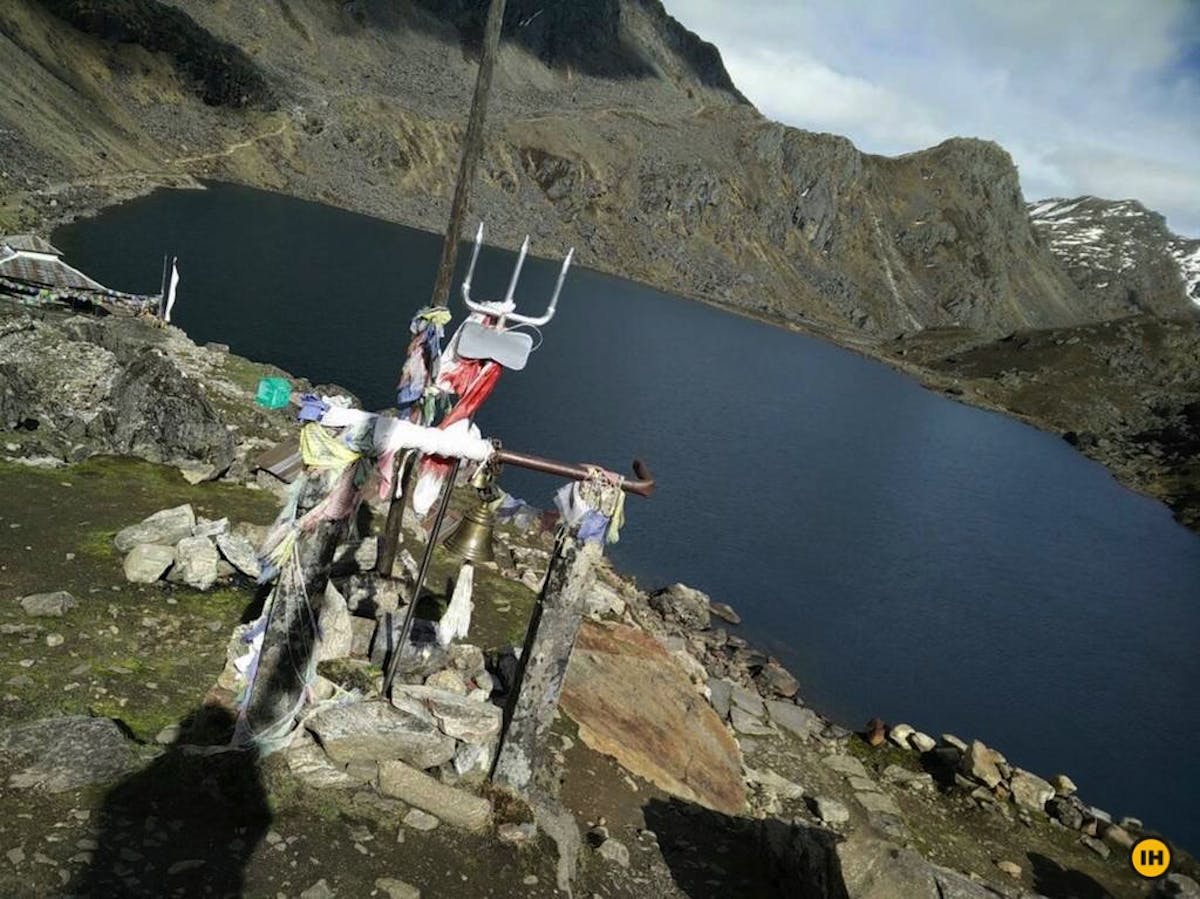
(1089, 96)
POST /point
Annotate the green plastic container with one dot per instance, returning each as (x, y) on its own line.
(273, 393)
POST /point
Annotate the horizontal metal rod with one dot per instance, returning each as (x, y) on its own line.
(643, 486)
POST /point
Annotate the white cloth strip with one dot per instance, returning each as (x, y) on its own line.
(461, 440)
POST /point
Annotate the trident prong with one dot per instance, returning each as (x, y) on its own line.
(512, 284)
(504, 310)
(466, 285)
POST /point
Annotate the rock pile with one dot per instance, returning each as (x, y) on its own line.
(990, 782)
(176, 546)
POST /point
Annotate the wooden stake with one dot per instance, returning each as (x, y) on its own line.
(549, 641)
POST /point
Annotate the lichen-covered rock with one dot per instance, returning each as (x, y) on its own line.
(633, 702)
(66, 753)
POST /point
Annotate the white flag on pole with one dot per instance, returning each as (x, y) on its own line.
(171, 289)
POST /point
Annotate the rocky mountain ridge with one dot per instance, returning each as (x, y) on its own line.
(611, 128)
(1121, 254)
(656, 171)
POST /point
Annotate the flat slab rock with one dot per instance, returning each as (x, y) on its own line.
(457, 716)
(632, 701)
(377, 731)
(165, 528)
(66, 753)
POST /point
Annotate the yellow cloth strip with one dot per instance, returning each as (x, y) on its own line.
(320, 449)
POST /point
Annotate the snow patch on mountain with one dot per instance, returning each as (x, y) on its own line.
(1120, 253)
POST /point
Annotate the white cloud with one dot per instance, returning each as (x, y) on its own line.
(1088, 97)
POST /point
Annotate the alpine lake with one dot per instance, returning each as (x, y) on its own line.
(904, 555)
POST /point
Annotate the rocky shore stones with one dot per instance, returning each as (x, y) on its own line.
(633, 702)
(66, 753)
(147, 562)
(1063, 785)
(165, 528)
(829, 811)
(846, 765)
(196, 563)
(1030, 791)
(48, 605)
(774, 678)
(980, 763)
(899, 734)
(682, 605)
(922, 743)
(457, 808)
(801, 721)
(378, 730)
(725, 612)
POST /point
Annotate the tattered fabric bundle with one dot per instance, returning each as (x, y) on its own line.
(595, 508)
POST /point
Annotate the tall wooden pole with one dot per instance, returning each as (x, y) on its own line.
(472, 145)
(472, 148)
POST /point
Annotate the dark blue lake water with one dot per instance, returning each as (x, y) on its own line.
(906, 556)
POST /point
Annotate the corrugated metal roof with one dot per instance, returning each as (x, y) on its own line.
(31, 243)
(46, 272)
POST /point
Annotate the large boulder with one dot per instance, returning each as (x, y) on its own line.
(682, 605)
(632, 701)
(161, 414)
(377, 731)
(66, 753)
(165, 528)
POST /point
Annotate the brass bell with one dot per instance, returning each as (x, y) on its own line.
(472, 536)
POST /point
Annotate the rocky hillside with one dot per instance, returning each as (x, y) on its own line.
(612, 128)
(1121, 254)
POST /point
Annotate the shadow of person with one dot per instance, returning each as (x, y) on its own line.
(185, 825)
(713, 854)
(1054, 881)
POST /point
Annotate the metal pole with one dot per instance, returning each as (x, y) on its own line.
(398, 649)
(162, 290)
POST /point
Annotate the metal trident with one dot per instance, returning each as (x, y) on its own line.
(505, 309)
